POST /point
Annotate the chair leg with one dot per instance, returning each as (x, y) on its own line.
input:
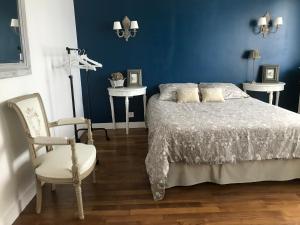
(38, 196)
(94, 176)
(79, 201)
(53, 187)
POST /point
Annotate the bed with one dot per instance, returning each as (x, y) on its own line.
(236, 141)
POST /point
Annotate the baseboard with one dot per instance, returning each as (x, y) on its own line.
(121, 125)
(15, 208)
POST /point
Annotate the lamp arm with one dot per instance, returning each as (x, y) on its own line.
(16, 30)
(120, 33)
(256, 30)
(274, 30)
(264, 30)
(259, 30)
(133, 32)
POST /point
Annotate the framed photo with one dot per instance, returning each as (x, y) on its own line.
(134, 77)
(270, 73)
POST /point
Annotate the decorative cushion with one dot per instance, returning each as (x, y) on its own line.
(230, 91)
(186, 95)
(168, 92)
(58, 163)
(212, 95)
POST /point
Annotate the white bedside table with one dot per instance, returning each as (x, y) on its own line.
(125, 92)
(266, 87)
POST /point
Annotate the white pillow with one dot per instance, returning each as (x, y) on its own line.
(168, 92)
(187, 95)
(212, 95)
(230, 91)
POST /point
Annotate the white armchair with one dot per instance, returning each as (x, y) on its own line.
(66, 162)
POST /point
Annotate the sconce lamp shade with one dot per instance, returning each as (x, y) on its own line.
(134, 25)
(117, 25)
(254, 54)
(14, 23)
(262, 21)
(278, 21)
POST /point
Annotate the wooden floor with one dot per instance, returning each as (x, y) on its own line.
(122, 195)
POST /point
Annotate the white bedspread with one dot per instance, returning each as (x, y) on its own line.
(216, 133)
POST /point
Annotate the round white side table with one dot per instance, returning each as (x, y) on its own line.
(125, 92)
(266, 87)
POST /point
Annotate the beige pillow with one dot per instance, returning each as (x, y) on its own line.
(212, 95)
(187, 95)
(168, 92)
(230, 91)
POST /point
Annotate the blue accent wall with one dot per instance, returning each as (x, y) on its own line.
(185, 41)
(9, 40)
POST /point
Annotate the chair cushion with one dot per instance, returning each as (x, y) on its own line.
(57, 164)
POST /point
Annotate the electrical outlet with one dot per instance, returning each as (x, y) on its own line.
(131, 114)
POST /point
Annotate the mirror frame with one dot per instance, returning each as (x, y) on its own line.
(23, 68)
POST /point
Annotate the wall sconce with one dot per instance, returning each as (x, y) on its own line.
(266, 25)
(129, 28)
(14, 24)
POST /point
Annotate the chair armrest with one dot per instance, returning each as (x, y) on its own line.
(73, 121)
(68, 121)
(44, 140)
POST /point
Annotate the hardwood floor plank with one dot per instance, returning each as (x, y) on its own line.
(122, 195)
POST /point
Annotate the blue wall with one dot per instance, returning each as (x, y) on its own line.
(185, 41)
(9, 41)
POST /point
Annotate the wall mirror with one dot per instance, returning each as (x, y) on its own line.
(14, 51)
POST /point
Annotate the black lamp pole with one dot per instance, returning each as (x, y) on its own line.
(73, 107)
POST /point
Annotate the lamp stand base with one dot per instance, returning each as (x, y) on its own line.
(94, 129)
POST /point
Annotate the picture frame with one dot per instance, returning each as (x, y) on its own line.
(134, 78)
(270, 73)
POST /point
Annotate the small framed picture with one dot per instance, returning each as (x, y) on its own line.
(134, 77)
(270, 73)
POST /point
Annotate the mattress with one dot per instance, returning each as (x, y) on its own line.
(233, 131)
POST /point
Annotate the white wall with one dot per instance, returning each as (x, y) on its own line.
(51, 27)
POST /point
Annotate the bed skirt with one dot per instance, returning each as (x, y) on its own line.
(181, 174)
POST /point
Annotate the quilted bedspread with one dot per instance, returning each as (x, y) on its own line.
(216, 133)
